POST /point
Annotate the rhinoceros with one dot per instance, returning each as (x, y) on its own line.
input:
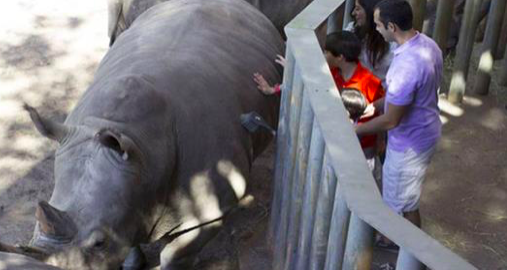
(155, 143)
(122, 13)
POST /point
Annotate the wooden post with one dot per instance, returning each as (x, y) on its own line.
(338, 232)
(298, 180)
(464, 50)
(359, 251)
(311, 190)
(323, 214)
(419, 10)
(408, 262)
(502, 41)
(489, 45)
(445, 9)
(288, 169)
(281, 149)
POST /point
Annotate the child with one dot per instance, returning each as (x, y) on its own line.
(342, 50)
(354, 102)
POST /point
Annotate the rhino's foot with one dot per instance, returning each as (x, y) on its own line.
(135, 260)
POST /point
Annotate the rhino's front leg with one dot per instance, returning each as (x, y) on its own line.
(181, 253)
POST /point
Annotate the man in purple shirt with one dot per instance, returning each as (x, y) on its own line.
(410, 112)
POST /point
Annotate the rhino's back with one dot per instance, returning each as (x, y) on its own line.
(192, 64)
(199, 57)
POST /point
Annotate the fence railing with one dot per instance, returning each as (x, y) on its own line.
(325, 202)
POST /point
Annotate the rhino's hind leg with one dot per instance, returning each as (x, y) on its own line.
(135, 260)
(182, 252)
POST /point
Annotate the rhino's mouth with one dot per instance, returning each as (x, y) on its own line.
(50, 244)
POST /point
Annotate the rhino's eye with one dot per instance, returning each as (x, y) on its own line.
(100, 244)
(97, 241)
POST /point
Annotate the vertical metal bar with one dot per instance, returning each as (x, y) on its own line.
(296, 204)
(359, 248)
(464, 50)
(281, 149)
(288, 168)
(347, 17)
(408, 262)
(489, 45)
(323, 213)
(503, 74)
(419, 10)
(311, 189)
(502, 40)
(338, 232)
(442, 23)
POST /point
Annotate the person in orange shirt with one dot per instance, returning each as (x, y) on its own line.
(342, 50)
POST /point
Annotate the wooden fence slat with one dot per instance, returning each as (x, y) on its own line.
(359, 248)
(338, 231)
(445, 10)
(483, 77)
(311, 190)
(281, 149)
(323, 213)
(406, 261)
(464, 50)
(288, 168)
(419, 10)
(298, 180)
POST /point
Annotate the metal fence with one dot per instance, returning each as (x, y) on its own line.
(325, 202)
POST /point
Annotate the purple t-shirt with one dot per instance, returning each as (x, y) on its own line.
(413, 79)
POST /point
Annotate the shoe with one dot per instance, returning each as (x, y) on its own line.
(387, 266)
(391, 247)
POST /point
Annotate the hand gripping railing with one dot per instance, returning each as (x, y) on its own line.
(325, 201)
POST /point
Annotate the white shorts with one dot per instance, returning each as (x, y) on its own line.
(402, 177)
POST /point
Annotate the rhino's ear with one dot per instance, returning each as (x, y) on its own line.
(54, 223)
(47, 127)
(118, 142)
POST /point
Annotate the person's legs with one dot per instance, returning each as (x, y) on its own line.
(414, 217)
(403, 174)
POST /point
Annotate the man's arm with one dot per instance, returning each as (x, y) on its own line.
(384, 122)
(379, 105)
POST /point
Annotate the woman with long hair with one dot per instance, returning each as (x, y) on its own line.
(376, 54)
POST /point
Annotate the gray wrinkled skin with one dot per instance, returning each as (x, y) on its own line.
(11, 261)
(156, 139)
(121, 13)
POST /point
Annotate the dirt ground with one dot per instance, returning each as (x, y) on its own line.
(49, 51)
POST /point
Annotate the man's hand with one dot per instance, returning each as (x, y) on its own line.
(263, 85)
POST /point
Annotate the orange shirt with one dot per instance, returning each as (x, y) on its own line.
(371, 87)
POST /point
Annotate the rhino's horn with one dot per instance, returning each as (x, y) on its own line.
(47, 127)
(54, 223)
